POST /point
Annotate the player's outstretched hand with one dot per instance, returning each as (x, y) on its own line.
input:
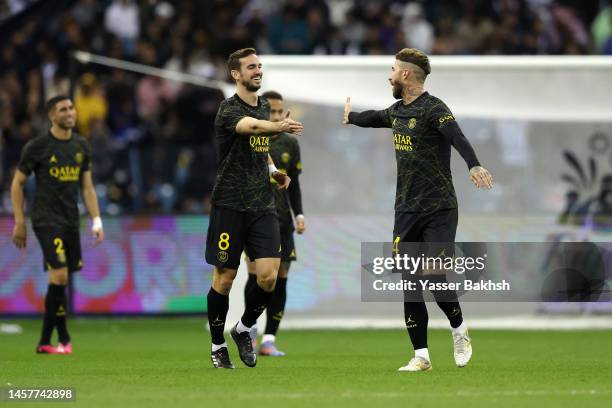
(20, 235)
(300, 224)
(481, 177)
(291, 126)
(282, 180)
(347, 110)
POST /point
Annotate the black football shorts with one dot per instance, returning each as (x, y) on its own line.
(61, 248)
(230, 232)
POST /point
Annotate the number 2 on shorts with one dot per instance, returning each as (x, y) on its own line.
(59, 246)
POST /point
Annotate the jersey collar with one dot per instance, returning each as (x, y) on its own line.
(425, 93)
(239, 99)
(60, 140)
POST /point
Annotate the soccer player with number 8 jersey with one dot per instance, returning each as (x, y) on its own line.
(243, 215)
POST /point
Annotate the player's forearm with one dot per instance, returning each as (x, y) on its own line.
(369, 118)
(91, 202)
(18, 200)
(265, 127)
(453, 133)
(295, 195)
(258, 127)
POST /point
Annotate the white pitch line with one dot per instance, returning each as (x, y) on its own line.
(465, 394)
(493, 323)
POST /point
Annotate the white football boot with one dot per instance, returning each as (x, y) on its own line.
(462, 345)
(416, 364)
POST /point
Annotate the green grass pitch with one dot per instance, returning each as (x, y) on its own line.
(165, 363)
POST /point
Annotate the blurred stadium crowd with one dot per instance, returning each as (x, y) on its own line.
(152, 138)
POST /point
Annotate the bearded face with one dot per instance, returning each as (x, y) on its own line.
(250, 74)
(64, 115)
(395, 81)
(252, 84)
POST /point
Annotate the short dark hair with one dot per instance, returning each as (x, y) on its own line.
(416, 57)
(50, 105)
(233, 61)
(272, 95)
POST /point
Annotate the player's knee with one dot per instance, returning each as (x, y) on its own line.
(223, 279)
(267, 270)
(223, 288)
(267, 281)
(223, 284)
(58, 276)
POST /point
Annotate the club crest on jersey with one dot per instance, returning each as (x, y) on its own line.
(78, 157)
(411, 123)
(260, 144)
(285, 157)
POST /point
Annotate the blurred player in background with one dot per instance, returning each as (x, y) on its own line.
(61, 162)
(243, 214)
(425, 204)
(285, 151)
